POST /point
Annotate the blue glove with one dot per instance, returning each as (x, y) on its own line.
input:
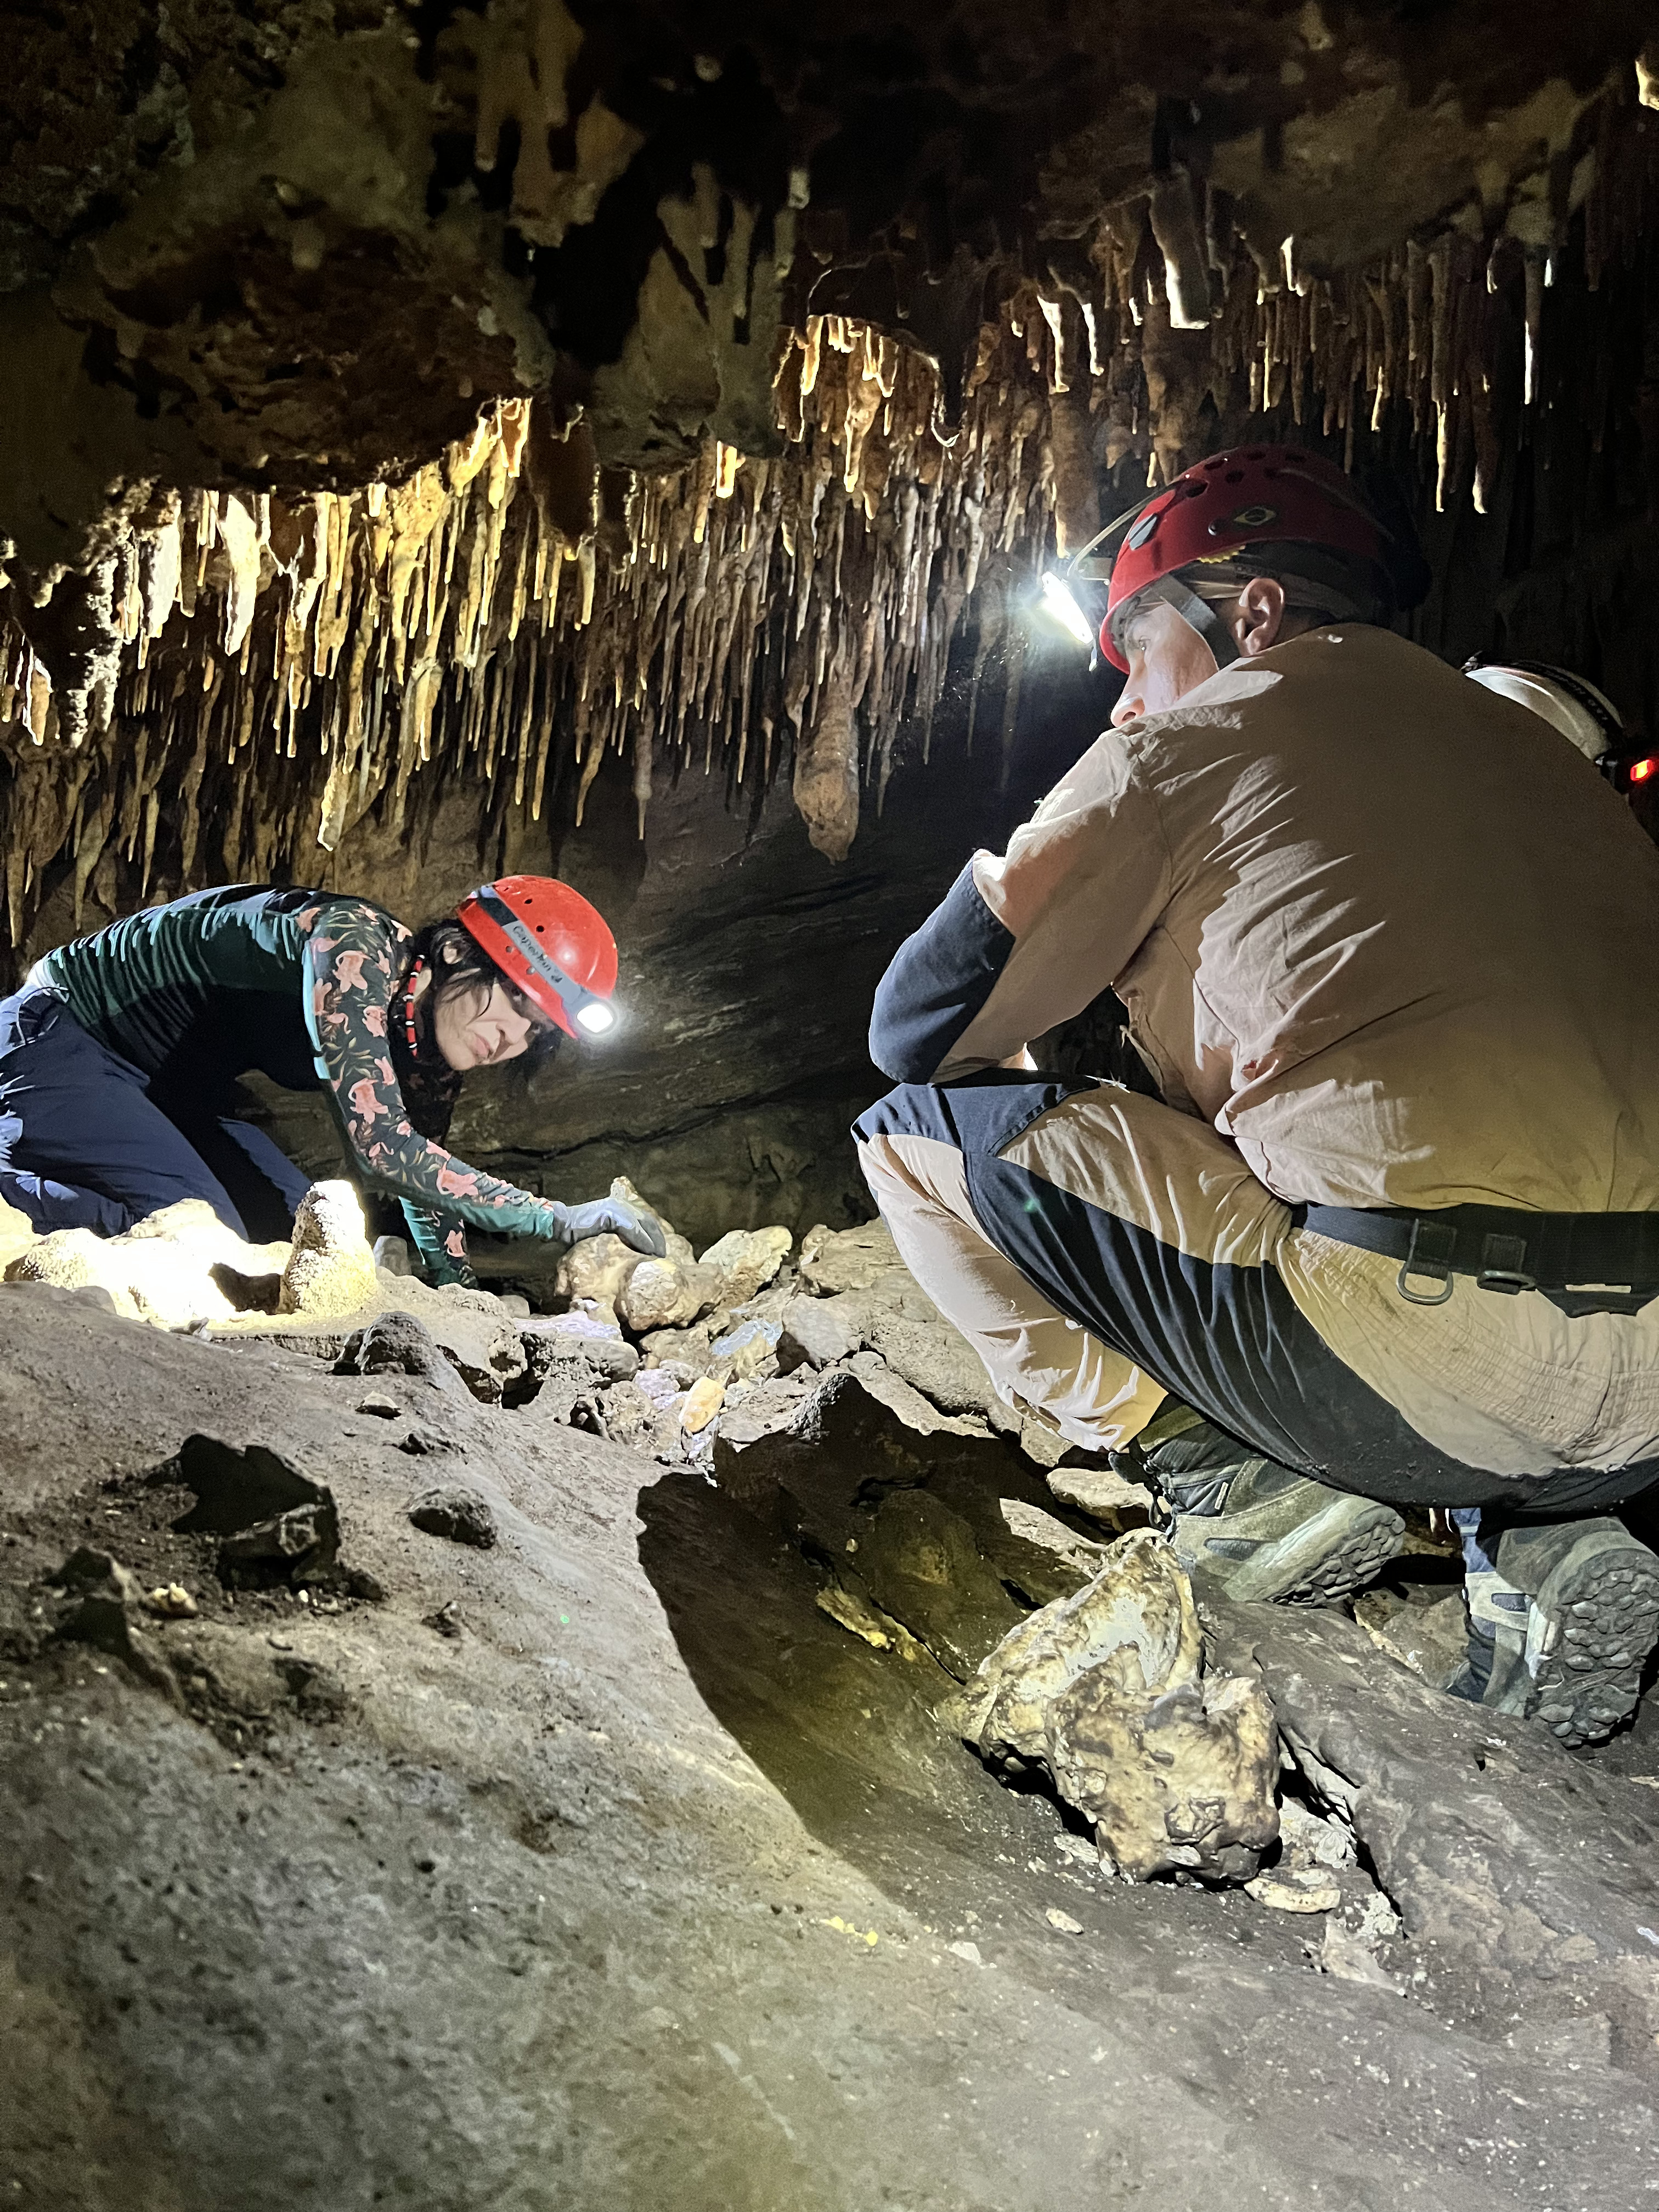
(611, 1217)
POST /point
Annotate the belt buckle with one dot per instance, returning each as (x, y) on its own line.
(1437, 1271)
(1502, 1267)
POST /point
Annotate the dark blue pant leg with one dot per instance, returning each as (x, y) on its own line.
(82, 1145)
(264, 1184)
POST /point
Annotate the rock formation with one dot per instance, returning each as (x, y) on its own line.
(662, 1732)
(689, 430)
(354, 1734)
(1175, 1767)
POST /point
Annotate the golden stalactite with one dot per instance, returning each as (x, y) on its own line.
(511, 601)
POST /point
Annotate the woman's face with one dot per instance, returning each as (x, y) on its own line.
(480, 1028)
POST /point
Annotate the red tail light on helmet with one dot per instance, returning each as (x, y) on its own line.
(552, 946)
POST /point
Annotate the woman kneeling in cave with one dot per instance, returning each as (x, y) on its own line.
(119, 1056)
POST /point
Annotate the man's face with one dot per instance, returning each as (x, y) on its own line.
(1167, 660)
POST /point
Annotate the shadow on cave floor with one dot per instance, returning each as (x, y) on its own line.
(856, 1740)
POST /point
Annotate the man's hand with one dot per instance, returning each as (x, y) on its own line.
(611, 1217)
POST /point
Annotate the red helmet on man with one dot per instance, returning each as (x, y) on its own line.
(550, 945)
(1265, 510)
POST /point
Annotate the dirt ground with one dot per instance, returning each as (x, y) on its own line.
(600, 1868)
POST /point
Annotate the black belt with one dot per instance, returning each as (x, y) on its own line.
(1582, 1263)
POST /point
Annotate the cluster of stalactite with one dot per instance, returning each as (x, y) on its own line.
(266, 671)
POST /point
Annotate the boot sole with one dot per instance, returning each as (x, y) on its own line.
(1601, 1608)
(1320, 1562)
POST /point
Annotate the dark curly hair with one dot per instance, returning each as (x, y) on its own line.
(459, 967)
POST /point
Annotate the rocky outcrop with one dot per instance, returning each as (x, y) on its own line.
(179, 1267)
(331, 1269)
(1176, 1765)
(1502, 1853)
(367, 1839)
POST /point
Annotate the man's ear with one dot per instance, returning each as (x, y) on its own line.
(1259, 615)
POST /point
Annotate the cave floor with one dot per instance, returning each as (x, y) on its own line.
(642, 1890)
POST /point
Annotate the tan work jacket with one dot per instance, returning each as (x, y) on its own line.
(1400, 943)
(1384, 929)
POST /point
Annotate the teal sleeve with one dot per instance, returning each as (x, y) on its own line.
(351, 963)
(441, 1240)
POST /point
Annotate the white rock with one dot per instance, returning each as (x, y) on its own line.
(593, 1273)
(1106, 1688)
(659, 1294)
(159, 1271)
(744, 1260)
(330, 1270)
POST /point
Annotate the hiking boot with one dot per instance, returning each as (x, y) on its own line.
(1253, 1528)
(1564, 1617)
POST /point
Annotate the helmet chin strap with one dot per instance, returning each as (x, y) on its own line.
(1198, 614)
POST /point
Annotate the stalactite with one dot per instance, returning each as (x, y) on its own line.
(348, 651)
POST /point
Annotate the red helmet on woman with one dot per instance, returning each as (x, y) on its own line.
(551, 946)
(1320, 527)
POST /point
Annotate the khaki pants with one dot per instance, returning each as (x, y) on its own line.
(1099, 1249)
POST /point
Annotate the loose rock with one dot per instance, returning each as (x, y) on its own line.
(848, 1258)
(400, 1344)
(605, 1350)
(1309, 1891)
(1107, 1690)
(744, 1351)
(815, 1332)
(702, 1402)
(295, 1546)
(745, 1260)
(1106, 1496)
(457, 1514)
(171, 1601)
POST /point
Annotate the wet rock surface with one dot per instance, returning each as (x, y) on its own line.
(609, 1853)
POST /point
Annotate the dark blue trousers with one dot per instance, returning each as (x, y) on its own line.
(84, 1146)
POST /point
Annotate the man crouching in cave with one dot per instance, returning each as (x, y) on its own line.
(119, 1056)
(1377, 1228)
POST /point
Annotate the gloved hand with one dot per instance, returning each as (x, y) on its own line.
(603, 1216)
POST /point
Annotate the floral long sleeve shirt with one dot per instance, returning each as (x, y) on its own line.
(300, 985)
(354, 958)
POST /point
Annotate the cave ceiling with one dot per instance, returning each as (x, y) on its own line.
(391, 395)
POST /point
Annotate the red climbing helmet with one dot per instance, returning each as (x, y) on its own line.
(1227, 506)
(551, 946)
